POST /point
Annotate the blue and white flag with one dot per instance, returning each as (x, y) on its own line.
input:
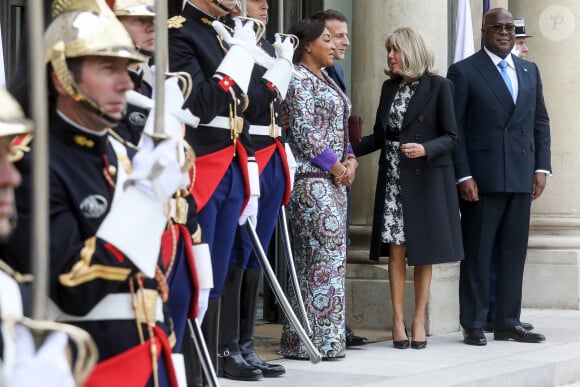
(463, 31)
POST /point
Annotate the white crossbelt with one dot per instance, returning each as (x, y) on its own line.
(264, 130)
(219, 122)
(117, 306)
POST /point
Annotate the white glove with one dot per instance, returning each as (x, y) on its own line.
(156, 170)
(260, 56)
(173, 106)
(173, 99)
(202, 304)
(244, 32)
(46, 367)
(281, 72)
(291, 164)
(251, 210)
(284, 49)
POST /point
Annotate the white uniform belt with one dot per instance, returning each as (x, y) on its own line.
(265, 130)
(117, 306)
(219, 122)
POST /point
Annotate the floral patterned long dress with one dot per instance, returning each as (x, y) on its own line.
(393, 224)
(318, 114)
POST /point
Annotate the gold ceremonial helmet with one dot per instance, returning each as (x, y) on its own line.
(80, 33)
(12, 119)
(134, 7)
(95, 6)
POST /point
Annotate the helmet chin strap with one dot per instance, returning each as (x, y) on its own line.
(145, 52)
(93, 106)
(219, 4)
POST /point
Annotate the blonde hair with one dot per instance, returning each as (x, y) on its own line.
(416, 57)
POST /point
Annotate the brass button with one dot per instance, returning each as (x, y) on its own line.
(112, 170)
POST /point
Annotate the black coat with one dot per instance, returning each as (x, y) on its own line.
(429, 196)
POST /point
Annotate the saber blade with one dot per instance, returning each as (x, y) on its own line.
(202, 352)
(315, 356)
(292, 269)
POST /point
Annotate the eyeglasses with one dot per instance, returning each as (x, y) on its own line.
(498, 28)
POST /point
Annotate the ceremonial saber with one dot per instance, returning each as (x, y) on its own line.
(203, 354)
(40, 176)
(161, 63)
(271, 278)
(292, 269)
(281, 15)
(243, 8)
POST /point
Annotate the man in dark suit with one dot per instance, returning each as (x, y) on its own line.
(521, 51)
(337, 25)
(501, 165)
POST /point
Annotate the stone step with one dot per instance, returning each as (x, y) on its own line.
(448, 362)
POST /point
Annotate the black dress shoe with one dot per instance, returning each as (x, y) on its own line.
(236, 368)
(353, 340)
(518, 333)
(268, 369)
(488, 328)
(474, 336)
(527, 326)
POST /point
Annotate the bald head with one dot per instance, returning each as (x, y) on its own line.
(498, 32)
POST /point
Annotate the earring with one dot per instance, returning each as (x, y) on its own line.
(309, 50)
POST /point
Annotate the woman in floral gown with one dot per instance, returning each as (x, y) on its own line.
(318, 114)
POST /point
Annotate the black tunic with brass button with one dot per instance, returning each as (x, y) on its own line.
(83, 268)
(196, 48)
(131, 127)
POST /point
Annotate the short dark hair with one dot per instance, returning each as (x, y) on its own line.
(330, 14)
(306, 30)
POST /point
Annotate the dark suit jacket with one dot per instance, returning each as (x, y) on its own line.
(428, 193)
(502, 144)
(337, 74)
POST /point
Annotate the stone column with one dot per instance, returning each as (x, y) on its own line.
(552, 274)
(368, 295)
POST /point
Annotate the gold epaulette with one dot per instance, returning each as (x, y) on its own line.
(176, 22)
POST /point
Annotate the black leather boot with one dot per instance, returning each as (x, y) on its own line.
(232, 364)
(210, 328)
(193, 371)
(248, 306)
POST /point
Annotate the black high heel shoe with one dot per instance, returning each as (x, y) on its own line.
(418, 344)
(402, 344)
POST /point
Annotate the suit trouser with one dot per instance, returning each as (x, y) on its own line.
(494, 228)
